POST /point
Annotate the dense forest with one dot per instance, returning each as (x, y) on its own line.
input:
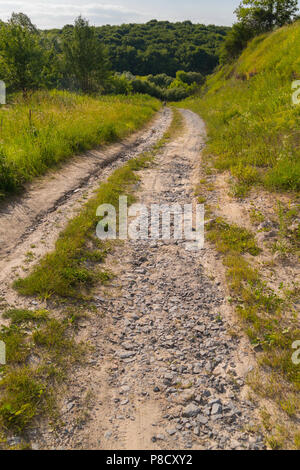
(165, 60)
(159, 46)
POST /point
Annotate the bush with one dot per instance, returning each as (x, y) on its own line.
(145, 87)
(235, 42)
(176, 94)
(190, 78)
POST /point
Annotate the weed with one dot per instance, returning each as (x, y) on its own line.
(232, 238)
(23, 395)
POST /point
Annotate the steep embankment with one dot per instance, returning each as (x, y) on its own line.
(250, 183)
(253, 125)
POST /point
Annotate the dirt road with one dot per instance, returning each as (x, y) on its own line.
(165, 372)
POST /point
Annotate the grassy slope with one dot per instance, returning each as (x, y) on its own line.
(41, 131)
(253, 126)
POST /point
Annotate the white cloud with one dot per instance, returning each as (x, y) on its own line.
(46, 15)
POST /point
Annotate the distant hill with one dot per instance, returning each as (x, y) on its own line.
(162, 47)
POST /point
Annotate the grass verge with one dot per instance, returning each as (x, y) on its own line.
(253, 126)
(39, 351)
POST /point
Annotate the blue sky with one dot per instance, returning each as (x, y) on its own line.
(54, 13)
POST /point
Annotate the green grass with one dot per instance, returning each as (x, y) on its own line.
(73, 267)
(230, 238)
(18, 316)
(252, 125)
(26, 390)
(41, 131)
(22, 398)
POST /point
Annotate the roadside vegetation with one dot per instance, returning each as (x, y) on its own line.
(270, 320)
(46, 127)
(39, 350)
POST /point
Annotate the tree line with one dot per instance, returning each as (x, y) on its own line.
(166, 60)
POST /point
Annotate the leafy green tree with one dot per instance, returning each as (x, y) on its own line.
(264, 15)
(256, 17)
(162, 80)
(22, 59)
(85, 57)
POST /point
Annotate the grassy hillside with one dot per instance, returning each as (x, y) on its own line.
(38, 132)
(253, 126)
(253, 131)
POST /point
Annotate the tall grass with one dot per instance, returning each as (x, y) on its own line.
(39, 132)
(253, 125)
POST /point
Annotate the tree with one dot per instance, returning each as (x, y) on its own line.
(85, 57)
(235, 42)
(159, 47)
(22, 58)
(264, 15)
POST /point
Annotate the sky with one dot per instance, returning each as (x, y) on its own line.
(54, 14)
